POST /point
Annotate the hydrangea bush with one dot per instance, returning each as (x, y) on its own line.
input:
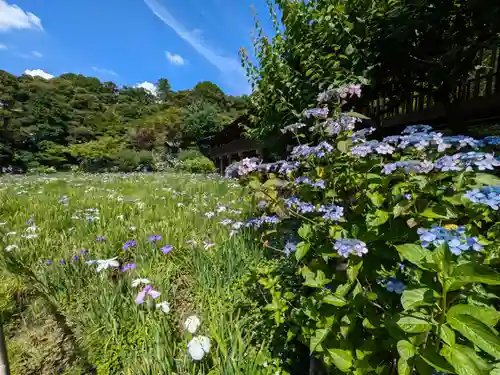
(386, 252)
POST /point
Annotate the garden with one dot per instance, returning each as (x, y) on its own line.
(368, 249)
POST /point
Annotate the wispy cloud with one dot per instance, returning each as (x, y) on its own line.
(3, 46)
(38, 73)
(229, 66)
(107, 72)
(174, 59)
(36, 54)
(13, 17)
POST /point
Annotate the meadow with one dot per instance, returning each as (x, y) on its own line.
(109, 273)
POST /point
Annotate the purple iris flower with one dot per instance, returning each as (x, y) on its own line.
(84, 252)
(130, 243)
(154, 238)
(75, 258)
(48, 262)
(100, 238)
(147, 291)
(166, 249)
(129, 266)
(62, 261)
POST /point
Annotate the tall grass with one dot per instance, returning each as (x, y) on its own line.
(66, 318)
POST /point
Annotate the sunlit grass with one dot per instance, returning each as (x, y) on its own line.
(51, 298)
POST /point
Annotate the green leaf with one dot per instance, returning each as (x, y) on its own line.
(435, 360)
(404, 367)
(302, 249)
(376, 198)
(318, 279)
(353, 268)
(413, 253)
(377, 218)
(349, 49)
(405, 349)
(447, 334)
(341, 358)
(464, 360)
(319, 336)
(413, 298)
(438, 212)
(305, 231)
(477, 332)
(414, 323)
(334, 300)
(274, 182)
(343, 146)
(470, 272)
(487, 315)
(487, 179)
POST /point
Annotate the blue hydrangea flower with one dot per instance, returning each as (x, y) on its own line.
(331, 212)
(412, 129)
(454, 237)
(360, 135)
(348, 246)
(488, 195)
(299, 206)
(316, 112)
(492, 140)
(468, 162)
(408, 166)
(370, 147)
(395, 286)
(290, 247)
(259, 221)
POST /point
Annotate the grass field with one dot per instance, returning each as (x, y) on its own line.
(62, 316)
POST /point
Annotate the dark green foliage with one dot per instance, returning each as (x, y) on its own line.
(320, 44)
(77, 120)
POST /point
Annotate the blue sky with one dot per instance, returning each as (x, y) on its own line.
(131, 41)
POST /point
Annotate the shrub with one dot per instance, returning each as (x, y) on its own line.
(189, 154)
(198, 165)
(130, 160)
(386, 252)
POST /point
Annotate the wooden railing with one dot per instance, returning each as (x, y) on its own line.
(476, 86)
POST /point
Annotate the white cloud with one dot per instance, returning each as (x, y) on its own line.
(13, 17)
(38, 73)
(3, 46)
(174, 59)
(104, 71)
(36, 54)
(148, 86)
(229, 66)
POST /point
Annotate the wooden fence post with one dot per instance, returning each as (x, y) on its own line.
(4, 360)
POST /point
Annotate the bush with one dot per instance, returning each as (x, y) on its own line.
(385, 252)
(189, 154)
(130, 160)
(198, 165)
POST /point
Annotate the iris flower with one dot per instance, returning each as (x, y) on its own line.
(104, 264)
(192, 323)
(147, 291)
(198, 347)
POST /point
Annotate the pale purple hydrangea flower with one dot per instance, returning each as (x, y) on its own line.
(348, 246)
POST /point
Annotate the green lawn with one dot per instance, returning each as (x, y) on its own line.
(62, 316)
